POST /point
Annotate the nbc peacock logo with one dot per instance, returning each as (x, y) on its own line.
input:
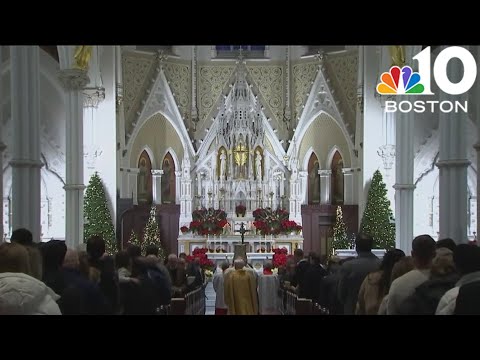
(400, 81)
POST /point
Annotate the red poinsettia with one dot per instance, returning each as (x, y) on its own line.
(208, 221)
(201, 254)
(269, 221)
(280, 256)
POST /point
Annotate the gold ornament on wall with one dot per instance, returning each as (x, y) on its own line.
(82, 56)
(397, 54)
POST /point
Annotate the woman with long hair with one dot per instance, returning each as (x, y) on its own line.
(377, 284)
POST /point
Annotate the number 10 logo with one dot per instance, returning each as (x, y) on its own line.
(406, 82)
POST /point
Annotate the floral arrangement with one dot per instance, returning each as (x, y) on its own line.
(184, 229)
(280, 256)
(274, 222)
(240, 210)
(209, 274)
(201, 254)
(289, 226)
(208, 221)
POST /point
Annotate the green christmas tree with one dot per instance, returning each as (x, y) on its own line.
(377, 220)
(340, 238)
(151, 235)
(97, 218)
(134, 240)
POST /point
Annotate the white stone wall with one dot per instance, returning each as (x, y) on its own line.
(52, 146)
(100, 133)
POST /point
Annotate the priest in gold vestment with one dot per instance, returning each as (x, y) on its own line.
(240, 290)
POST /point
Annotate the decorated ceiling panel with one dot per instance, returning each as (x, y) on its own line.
(343, 70)
(138, 70)
(269, 80)
(212, 80)
(303, 76)
(179, 77)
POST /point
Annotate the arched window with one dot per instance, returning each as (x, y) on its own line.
(233, 51)
(337, 179)
(144, 181)
(168, 180)
(313, 180)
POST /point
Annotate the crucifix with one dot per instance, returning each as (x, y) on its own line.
(240, 155)
(242, 232)
(240, 250)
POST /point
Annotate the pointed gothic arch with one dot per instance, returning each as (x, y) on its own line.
(168, 179)
(313, 179)
(336, 187)
(144, 181)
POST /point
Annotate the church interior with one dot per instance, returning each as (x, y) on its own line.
(230, 151)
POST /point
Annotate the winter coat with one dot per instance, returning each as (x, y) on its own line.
(22, 294)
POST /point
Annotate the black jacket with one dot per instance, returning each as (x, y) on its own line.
(81, 296)
(313, 282)
(468, 299)
(299, 277)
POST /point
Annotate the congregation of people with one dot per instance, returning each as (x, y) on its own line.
(438, 278)
(50, 279)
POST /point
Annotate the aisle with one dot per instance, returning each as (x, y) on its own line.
(210, 300)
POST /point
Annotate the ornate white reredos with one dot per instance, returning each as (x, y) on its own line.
(234, 165)
(241, 96)
(320, 99)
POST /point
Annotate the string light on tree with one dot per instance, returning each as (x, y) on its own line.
(340, 238)
(97, 217)
(377, 219)
(151, 234)
(134, 240)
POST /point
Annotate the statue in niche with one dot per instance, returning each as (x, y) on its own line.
(258, 165)
(314, 182)
(142, 180)
(223, 165)
(167, 169)
(337, 174)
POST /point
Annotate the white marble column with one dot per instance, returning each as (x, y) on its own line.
(452, 164)
(476, 114)
(133, 184)
(348, 186)
(74, 80)
(26, 164)
(178, 186)
(404, 186)
(2, 148)
(325, 185)
(157, 186)
(123, 183)
(186, 195)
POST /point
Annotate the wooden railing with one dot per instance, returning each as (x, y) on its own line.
(291, 304)
(192, 304)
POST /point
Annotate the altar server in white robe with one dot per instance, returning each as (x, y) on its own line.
(268, 285)
(220, 306)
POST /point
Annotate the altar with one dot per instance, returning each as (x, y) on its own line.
(223, 245)
(259, 249)
(240, 177)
